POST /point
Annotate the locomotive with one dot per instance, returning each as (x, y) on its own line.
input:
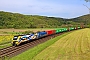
(17, 40)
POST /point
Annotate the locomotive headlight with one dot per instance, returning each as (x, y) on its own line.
(17, 43)
(12, 42)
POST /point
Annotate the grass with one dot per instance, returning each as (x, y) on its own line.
(5, 41)
(30, 54)
(74, 46)
(5, 45)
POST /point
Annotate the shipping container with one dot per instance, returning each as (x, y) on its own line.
(79, 27)
(50, 32)
(72, 28)
(41, 34)
(58, 30)
(64, 29)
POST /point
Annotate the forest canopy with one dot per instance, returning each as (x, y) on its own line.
(16, 20)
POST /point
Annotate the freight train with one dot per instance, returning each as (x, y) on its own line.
(17, 40)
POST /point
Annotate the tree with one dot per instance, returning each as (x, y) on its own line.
(87, 0)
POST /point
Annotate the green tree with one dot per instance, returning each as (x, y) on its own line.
(87, 0)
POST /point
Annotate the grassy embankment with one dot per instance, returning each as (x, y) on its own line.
(75, 46)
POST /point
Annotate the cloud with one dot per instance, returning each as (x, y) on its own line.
(58, 8)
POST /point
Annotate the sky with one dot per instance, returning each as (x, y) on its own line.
(50, 8)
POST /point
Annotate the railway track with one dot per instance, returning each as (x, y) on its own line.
(13, 51)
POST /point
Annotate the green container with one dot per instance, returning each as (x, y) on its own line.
(64, 29)
(78, 27)
(61, 30)
(58, 30)
(72, 28)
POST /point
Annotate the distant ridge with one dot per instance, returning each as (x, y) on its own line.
(16, 20)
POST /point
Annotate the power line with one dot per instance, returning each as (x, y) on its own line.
(88, 8)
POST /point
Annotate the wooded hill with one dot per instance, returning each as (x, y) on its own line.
(16, 20)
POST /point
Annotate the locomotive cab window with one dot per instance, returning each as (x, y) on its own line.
(15, 38)
(23, 38)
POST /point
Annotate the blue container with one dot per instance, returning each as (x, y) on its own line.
(41, 34)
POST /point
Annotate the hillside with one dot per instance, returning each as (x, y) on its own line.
(85, 19)
(16, 20)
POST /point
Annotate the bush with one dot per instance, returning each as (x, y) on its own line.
(27, 32)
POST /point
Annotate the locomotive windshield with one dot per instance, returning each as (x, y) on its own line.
(15, 37)
(23, 38)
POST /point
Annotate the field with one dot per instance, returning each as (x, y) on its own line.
(75, 46)
(15, 31)
(5, 40)
(6, 35)
(69, 46)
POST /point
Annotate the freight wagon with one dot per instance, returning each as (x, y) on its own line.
(40, 34)
(50, 32)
